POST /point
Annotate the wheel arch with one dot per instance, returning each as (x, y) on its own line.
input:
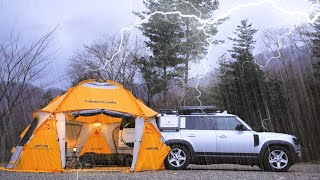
(282, 143)
(183, 143)
(276, 142)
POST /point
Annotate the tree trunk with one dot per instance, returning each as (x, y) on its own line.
(3, 147)
(186, 74)
(2, 139)
(165, 85)
(186, 69)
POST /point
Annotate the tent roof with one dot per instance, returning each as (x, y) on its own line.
(91, 94)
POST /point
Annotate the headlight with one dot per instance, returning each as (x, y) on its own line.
(296, 141)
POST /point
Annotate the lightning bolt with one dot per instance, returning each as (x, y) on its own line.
(211, 21)
(299, 15)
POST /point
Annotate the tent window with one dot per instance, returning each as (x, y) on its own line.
(29, 133)
(101, 111)
(101, 85)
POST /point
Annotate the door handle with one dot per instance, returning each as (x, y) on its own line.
(223, 136)
(191, 135)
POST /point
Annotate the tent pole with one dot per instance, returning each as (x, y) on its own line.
(138, 131)
(61, 127)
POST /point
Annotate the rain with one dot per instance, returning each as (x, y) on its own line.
(194, 63)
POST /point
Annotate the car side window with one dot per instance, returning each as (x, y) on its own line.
(200, 123)
(226, 123)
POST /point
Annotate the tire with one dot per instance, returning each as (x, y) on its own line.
(277, 159)
(178, 158)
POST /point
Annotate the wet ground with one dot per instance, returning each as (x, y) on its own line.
(223, 172)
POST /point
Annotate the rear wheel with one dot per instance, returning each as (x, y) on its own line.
(277, 158)
(178, 158)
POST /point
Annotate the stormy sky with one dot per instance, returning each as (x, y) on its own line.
(82, 22)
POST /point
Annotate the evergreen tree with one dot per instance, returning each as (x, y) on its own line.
(244, 82)
(175, 40)
(225, 91)
(195, 41)
(163, 41)
(151, 77)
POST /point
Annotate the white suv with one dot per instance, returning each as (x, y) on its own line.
(200, 136)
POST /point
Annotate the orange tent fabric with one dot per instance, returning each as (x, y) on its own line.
(152, 150)
(100, 118)
(42, 153)
(105, 95)
(96, 143)
(146, 110)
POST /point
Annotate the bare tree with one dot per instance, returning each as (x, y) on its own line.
(21, 65)
(98, 61)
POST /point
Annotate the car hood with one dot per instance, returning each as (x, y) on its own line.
(275, 135)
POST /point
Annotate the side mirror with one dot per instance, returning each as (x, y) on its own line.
(239, 127)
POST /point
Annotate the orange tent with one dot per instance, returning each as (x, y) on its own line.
(87, 103)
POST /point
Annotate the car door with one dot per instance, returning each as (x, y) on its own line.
(199, 131)
(231, 141)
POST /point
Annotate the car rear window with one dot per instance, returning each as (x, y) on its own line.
(200, 122)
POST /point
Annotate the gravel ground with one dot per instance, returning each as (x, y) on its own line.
(222, 171)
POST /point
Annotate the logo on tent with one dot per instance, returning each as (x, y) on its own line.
(98, 101)
(152, 148)
(41, 146)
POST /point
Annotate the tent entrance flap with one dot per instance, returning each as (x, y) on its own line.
(96, 143)
(42, 152)
(25, 136)
(152, 150)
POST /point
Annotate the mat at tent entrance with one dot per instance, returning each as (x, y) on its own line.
(97, 169)
(94, 169)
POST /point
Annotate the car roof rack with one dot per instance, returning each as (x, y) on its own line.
(219, 110)
(168, 111)
(187, 110)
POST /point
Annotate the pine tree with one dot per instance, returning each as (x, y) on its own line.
(195, 41)
(174, 40)
(243, 92)
(163, 41)
(151, 77)
(225, 91)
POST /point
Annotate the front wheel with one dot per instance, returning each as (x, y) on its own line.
(277, 158)
(178, 158)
